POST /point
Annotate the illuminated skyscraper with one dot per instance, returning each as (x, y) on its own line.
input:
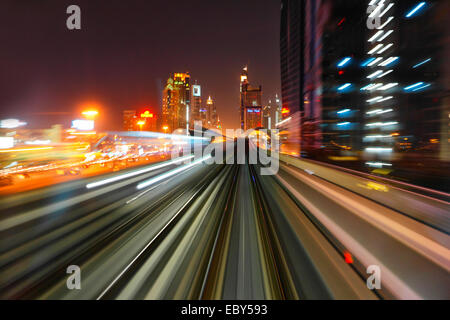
(367, 77)
(251, 111)
(197, 111)
(272, 113)
(176, 102)
(212, 113)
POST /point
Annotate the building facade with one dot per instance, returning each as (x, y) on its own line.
(197, 111)
(251, 110)
(366, 77)
(129, 120)
(213, 119)
(176, 102)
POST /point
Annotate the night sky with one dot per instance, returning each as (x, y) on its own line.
(125, 52)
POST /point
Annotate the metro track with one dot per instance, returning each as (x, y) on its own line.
(210, 232)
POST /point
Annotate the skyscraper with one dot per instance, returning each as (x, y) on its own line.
(251, 111)
(176, 102)
(365, 76)
(197, 111)
(301, 68)
(212, 113)
(292, 54)
(272, 113)
(267, 119)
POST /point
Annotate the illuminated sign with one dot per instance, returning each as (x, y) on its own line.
(147, 114)
(197, 90)
(6, 142)
(83, 125)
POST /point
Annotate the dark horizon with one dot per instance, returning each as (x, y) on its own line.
(124, 53)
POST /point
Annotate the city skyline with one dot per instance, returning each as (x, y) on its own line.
(54, 72)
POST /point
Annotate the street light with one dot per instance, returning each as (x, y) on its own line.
(141, 124)
(165, 128)
(90, 114)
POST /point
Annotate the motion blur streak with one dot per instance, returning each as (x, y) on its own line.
(364, 255)
(171, 173)
(226, 232)
(137, 172)
(25, 150)
(438, 253)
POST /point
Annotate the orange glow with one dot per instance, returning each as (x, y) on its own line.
(141, 123)
(26, 149)
(90, 113)
(285, 111)
(84, 133)
(377, 187)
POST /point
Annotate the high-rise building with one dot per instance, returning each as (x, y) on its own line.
(129, 120)
(301, 69)
(176, 102)
(272, 113)
(267, 119)
(197, 110)
(292, 54)
(212, 113)
(366, 78)
(251, 111)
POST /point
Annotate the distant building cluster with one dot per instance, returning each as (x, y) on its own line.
(253, 114)
(182, 105)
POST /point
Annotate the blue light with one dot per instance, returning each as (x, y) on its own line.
(414, 86)
(367, 62)
(392, 61)
(423, 87)
(343, 124)
(416, 9)
(344, 62)
(345, 86)
(421, 63)
(344, 111)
